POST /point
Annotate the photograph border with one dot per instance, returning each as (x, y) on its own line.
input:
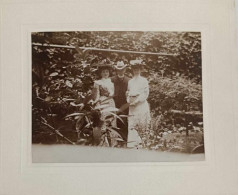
(53, 178)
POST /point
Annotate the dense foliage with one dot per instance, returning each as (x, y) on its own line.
(63, 77)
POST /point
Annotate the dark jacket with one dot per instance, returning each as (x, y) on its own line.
(120, 88)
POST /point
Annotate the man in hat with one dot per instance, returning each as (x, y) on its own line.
(120, 87)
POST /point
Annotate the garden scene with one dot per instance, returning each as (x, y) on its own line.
(62, 87)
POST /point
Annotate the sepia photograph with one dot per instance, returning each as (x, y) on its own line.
(118, 97)
(121, 92)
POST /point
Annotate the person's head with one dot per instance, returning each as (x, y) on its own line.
(121, 72)
(136, 70)
(136, 66)
(104, 72)
(120, 68)
(103, 69)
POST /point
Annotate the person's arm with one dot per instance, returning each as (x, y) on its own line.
(128, 92)
(96, 94)
(111, 91)
(144, 94)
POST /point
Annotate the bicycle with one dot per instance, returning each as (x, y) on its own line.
(92, 130)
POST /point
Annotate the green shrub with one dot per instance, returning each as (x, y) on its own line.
(177, 93)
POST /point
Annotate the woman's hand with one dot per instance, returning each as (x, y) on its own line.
(134, 103)
(134, 100)
(111, 95)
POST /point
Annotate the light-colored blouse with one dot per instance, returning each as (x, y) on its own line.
(138, 89)
(105, 88)
(139, 111)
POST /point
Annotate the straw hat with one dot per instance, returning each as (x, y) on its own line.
(103, 64)
(136, 63)
(120, 65)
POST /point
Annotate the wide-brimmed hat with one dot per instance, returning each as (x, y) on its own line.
(135, 63)
(120, 65)
(103, 64)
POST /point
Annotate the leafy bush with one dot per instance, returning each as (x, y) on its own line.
(178, 93)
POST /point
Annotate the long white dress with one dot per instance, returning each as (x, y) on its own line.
(139, 111)
(104, 90)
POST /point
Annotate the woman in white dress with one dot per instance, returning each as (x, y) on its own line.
(104, 89)
(104, 86)
(139, 111)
